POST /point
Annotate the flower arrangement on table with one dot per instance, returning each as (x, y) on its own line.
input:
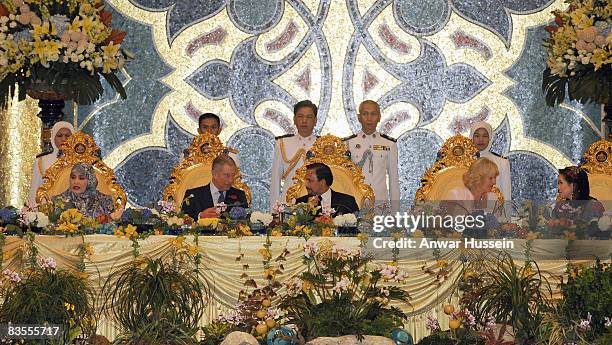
(306, 220)
(58, 47)
(579, 53)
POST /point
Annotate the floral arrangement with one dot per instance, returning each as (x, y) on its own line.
(58, 47)
(579, 53)
(341, 281)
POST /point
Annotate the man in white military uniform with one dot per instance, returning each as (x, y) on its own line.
(376, 155)
(290, 150)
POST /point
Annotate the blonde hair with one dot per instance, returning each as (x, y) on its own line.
(478, 171)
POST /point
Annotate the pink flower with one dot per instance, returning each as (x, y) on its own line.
(278, 207)
(342, 285)
(327, 211)
(48, 263)
(432, 324)
(13, 276)
(311, 248)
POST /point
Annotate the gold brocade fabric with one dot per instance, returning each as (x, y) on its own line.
(19, 145)
(223, 271)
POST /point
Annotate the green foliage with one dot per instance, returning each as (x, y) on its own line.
(586, 86)
(339, 295)
(590, 291)
(155, 302)
(50, 296)
(215, 332)
(511, 294)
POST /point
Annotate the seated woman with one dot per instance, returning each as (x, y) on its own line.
(574, 201)
(475, 194)
(60, 132)
(83, 195)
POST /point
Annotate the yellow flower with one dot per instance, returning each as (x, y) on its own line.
(67, 227)
(89, 249)
(532, 235)
(69, 306)
(110, 50)
(277, 233)
(109, 65)
(526, 271)
(265, 253)
(327, 232)
(468, 274)
(569, 235)
(442, 263)
(245, 230)
(231, 233)
(131, 231)
(177, 242)
(291, 221)
(397, 235)
(71, 215)
(417, 234)
(362, 237)
(118, 232)
(306, 286)
(44, 29)
(158, 232)
(192, 249)
(269, 273)
(209, 222)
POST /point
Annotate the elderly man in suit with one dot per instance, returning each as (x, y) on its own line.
(319, 179)
(201, 202)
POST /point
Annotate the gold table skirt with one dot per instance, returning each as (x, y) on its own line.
(222, 271)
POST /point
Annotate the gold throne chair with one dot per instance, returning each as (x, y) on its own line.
(348, 178)
(598, 165)
(196, 169)
(457, 154)
(80, 148)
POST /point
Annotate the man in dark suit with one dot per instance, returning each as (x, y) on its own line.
(200, 202)
(319, 178)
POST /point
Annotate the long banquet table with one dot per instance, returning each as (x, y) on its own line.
(223, 271)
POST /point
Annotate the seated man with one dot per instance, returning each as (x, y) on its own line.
(319, 178)
(200, 202)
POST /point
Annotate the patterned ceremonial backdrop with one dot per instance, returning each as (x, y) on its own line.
(434, 66)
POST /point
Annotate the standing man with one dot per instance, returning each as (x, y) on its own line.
(290, 150)
(211, 123)
(376, 155)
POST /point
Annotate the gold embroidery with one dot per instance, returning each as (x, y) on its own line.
(293, 161)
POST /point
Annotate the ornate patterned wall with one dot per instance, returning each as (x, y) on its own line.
(434, 66)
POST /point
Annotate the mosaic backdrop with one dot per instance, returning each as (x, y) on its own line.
(434, 66)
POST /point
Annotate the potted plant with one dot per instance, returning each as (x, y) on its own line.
(155, 301)
(341, 294)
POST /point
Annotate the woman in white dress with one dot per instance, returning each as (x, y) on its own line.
(60, 132)
(475, 194)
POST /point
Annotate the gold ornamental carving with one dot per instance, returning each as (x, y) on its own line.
(333, 152)
(80, 148)
(200, 154)
(598, 158)
(457, 152)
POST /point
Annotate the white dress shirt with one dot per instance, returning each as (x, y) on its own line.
(326, 199)
(215, 193)
(289, 154)
(378, 166)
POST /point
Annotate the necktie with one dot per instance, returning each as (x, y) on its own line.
(221, 197)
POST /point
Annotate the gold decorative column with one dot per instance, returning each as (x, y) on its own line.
(19, 145)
